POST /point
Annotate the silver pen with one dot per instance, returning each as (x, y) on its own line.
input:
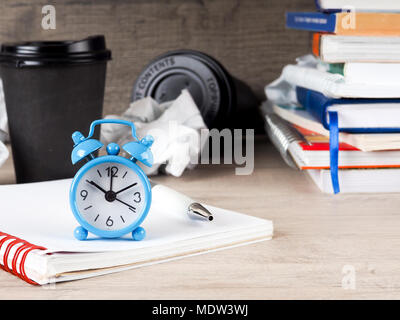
(179, 202)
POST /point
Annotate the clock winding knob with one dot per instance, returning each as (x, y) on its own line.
(113, 149)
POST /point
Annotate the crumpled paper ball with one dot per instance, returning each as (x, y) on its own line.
(177, 127)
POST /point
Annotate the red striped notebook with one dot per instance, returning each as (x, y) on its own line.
(37, 242)
(18, 258)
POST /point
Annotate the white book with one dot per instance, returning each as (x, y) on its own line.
(359, 180)
(367, 115)
(335, 48)
(335, 85)
(39, 213)
(379, 74)
(360, 5)
(311, 73)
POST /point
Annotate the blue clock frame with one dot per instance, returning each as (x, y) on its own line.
(84, 149)
(81, 173)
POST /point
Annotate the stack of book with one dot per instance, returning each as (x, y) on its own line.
(336, 113)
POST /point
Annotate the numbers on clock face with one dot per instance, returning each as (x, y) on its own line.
(84, 194)
(110, 196)
(112, 171)
(137, 197)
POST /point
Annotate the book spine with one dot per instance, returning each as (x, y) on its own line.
(316, 44)
(23, 248)
(315, 103)
(311, 21)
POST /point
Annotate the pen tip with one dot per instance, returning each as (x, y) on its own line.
(199, 211)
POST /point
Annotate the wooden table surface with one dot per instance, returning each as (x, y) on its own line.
(317, 237)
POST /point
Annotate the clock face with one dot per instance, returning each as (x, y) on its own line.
(110, 196)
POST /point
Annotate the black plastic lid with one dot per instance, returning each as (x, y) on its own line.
(39, 53)
(210, 85)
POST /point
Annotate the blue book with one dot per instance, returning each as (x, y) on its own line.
(311, 21)
(354, 115)
(346, 23)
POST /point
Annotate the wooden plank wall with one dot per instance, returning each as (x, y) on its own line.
(247, 36)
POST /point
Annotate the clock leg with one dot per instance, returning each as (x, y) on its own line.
(80, 233)
(138, 234)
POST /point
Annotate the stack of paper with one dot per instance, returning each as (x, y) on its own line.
(344, 100)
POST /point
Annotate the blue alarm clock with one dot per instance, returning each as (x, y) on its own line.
(110, 195)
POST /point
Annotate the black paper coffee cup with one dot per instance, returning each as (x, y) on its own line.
(51, 89)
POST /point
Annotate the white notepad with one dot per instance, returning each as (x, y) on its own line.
(39, 213)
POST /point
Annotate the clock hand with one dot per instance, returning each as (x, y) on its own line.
(96, 185)
(126, 188)
(111, 178)
(130, 207)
